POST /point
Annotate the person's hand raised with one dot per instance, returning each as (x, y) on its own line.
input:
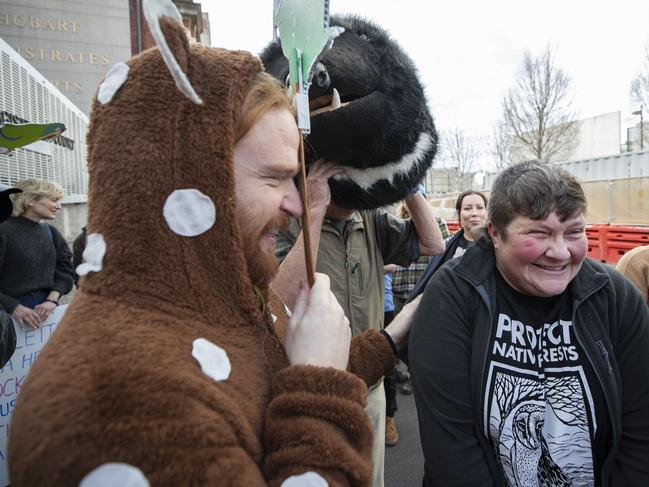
(317, 184)
(318, 332)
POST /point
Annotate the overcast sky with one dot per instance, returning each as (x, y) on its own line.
(468, 52)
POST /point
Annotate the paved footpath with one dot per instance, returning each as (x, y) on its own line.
(404, 462)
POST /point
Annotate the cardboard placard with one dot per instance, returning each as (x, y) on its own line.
(29, 343)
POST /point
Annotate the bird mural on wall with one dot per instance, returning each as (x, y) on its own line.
(14, 136)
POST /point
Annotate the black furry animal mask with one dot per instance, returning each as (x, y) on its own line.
(382, 133)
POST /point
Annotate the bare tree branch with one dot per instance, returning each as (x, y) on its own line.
(640, 85)
(500, 146)
(538, 113)
(461, 150)
(640, 93)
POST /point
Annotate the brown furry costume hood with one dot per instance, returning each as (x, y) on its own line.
(118, 382)
(149, 141)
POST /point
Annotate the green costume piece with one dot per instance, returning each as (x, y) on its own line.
(304, 32)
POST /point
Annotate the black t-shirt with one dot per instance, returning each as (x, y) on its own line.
(460, 247)
(544, 410)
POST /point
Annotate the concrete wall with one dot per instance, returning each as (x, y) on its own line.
(71, 219)
(445, 180)
(72, 43)
(598, 136)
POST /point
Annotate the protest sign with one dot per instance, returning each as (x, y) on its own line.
(28, 345)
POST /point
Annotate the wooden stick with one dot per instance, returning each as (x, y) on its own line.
(308, 254)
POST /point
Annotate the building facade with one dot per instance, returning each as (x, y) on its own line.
(447, 180)
(594, 137)
(71, 43)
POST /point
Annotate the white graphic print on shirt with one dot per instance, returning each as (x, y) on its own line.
(538, 406)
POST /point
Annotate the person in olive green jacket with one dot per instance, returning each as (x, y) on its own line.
(352, 247)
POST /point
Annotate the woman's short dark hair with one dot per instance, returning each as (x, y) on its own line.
(458, 201)
(534, 190)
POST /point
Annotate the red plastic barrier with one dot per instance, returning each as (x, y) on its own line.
(608, 243)
(629, 234)
(615, 251)
(595, 242)
(620, 239)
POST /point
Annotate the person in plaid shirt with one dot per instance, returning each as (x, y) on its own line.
(405, 278)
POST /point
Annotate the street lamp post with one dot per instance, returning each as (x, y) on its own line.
(639, 112)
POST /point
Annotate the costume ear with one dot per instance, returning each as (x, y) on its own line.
(165, 24)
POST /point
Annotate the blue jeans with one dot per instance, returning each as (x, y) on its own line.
(32, 300)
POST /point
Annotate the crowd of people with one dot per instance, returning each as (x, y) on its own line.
(528, 360)
(492, 378)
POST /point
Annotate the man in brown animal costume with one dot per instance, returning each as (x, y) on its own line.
(168, 368)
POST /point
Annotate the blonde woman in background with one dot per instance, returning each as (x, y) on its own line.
(35, 261)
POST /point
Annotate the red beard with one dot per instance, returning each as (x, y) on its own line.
(262, 265)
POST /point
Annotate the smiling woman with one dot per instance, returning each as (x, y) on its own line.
(518, 375)
(540, 258)
(35, 261)
(537, 229)
(471, 207)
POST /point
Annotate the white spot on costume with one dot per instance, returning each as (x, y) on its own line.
(93, 254)
(213, 359)
(114, 80)
(308, 479)
(115, 474)
(366, 178)
(189, 212)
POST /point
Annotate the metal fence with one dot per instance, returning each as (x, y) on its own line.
(26, 96)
